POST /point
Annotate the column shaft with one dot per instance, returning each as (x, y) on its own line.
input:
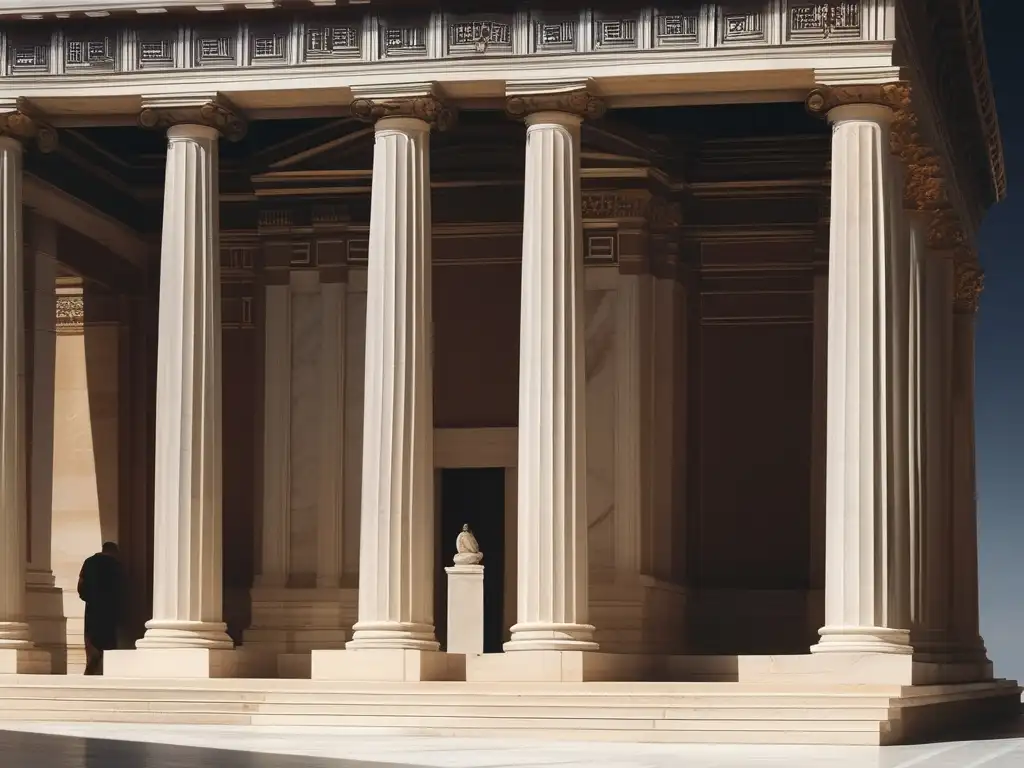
(277, 411)
(187, 592)
(965, 618)
(866, 541)
(552, 567)
(396, 575)
(332, 435)
(14, 632)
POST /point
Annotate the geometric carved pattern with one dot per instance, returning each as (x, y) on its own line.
(611, 32)
(676, 29)
(472, 35)
(742, 27)
(839, 19)
(554, 34)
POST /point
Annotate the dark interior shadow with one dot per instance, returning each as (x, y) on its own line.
(34, 750)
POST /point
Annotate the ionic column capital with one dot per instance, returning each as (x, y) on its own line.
(824, 99)
(21, 121)
(213, 111)
(968, 283)
(417, 103)
(576, 99)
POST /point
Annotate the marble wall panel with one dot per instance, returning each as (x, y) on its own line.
(600, 366)
(305, 436)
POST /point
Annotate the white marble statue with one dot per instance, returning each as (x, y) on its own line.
(467, 549)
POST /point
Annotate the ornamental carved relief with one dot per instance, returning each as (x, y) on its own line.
(925, 184)
(579, 102)
(428, 108)
(215, 113)
(70, 312)
(945, 232)
(823, 100)
(969, 282)
(25, 124)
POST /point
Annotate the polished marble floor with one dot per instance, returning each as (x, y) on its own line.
(126, 746)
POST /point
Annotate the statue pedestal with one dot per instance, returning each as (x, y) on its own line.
(465, 609)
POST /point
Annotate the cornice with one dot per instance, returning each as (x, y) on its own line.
(974, 44)
(575, 98)
(212, 110)
(19, 120)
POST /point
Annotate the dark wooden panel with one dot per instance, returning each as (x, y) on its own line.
(476, 344)
(751, 253)
(754, 456)
(240, 377)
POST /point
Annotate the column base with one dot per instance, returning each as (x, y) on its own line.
(24, 661)
(161, 634)
(172, 663)
(44, 606)
(392, 635)
(395, 665)
(551, 637)
(872, 640)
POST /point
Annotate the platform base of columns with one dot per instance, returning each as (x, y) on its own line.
(173, 663)
(397, 665)
(24, 661)
(562, 667)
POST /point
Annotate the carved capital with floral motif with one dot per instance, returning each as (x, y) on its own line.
(19, 120)
(427, 107)
(824, 99)
(968, 283)
(574, 99)
(945, 232)
(213, 111)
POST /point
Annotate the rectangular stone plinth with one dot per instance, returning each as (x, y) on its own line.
(561, 667)
(172, 663)
(387, 665)
(22, 662)
(866, 668)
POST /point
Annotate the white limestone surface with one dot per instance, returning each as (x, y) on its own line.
(120, 746)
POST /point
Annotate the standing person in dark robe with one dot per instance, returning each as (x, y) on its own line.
(99, 586)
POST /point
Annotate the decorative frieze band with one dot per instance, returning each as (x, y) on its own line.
(214, 111)
(108, 44)
(969, 283)
(20, 121)
(70, 313)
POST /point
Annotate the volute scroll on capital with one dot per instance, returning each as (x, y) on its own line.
(22, 122)
(215, 113)
(579, 102)
(429, 108)
(824, 99)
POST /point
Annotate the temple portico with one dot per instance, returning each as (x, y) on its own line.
(683, 334)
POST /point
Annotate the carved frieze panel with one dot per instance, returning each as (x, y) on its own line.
(90, 49)
(215, 47)
(30, 52)
(554, 33)
(155, 48)
(739, 24)
(677, 29)
(268, 45)
(616, 31)
(332, 40)
(814, 22)
(403, 38)
(478, 35)
(602, 249)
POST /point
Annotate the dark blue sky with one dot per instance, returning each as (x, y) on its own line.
(1000, 367)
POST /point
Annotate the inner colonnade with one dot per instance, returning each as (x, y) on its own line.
(888, 535)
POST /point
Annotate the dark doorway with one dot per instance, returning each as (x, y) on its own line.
(474, 497)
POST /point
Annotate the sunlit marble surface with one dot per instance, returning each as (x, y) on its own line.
(126, 746)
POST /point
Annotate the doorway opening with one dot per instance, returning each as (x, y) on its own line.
(473, 497)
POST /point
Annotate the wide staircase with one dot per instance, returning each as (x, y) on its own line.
(637, 712)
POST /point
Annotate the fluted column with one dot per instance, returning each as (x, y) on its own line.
(277, 411)
(187, 553)
(396, 555)
(866, 537)
(330, 523)
(16, 647)
(552, 559)
(965, 620)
